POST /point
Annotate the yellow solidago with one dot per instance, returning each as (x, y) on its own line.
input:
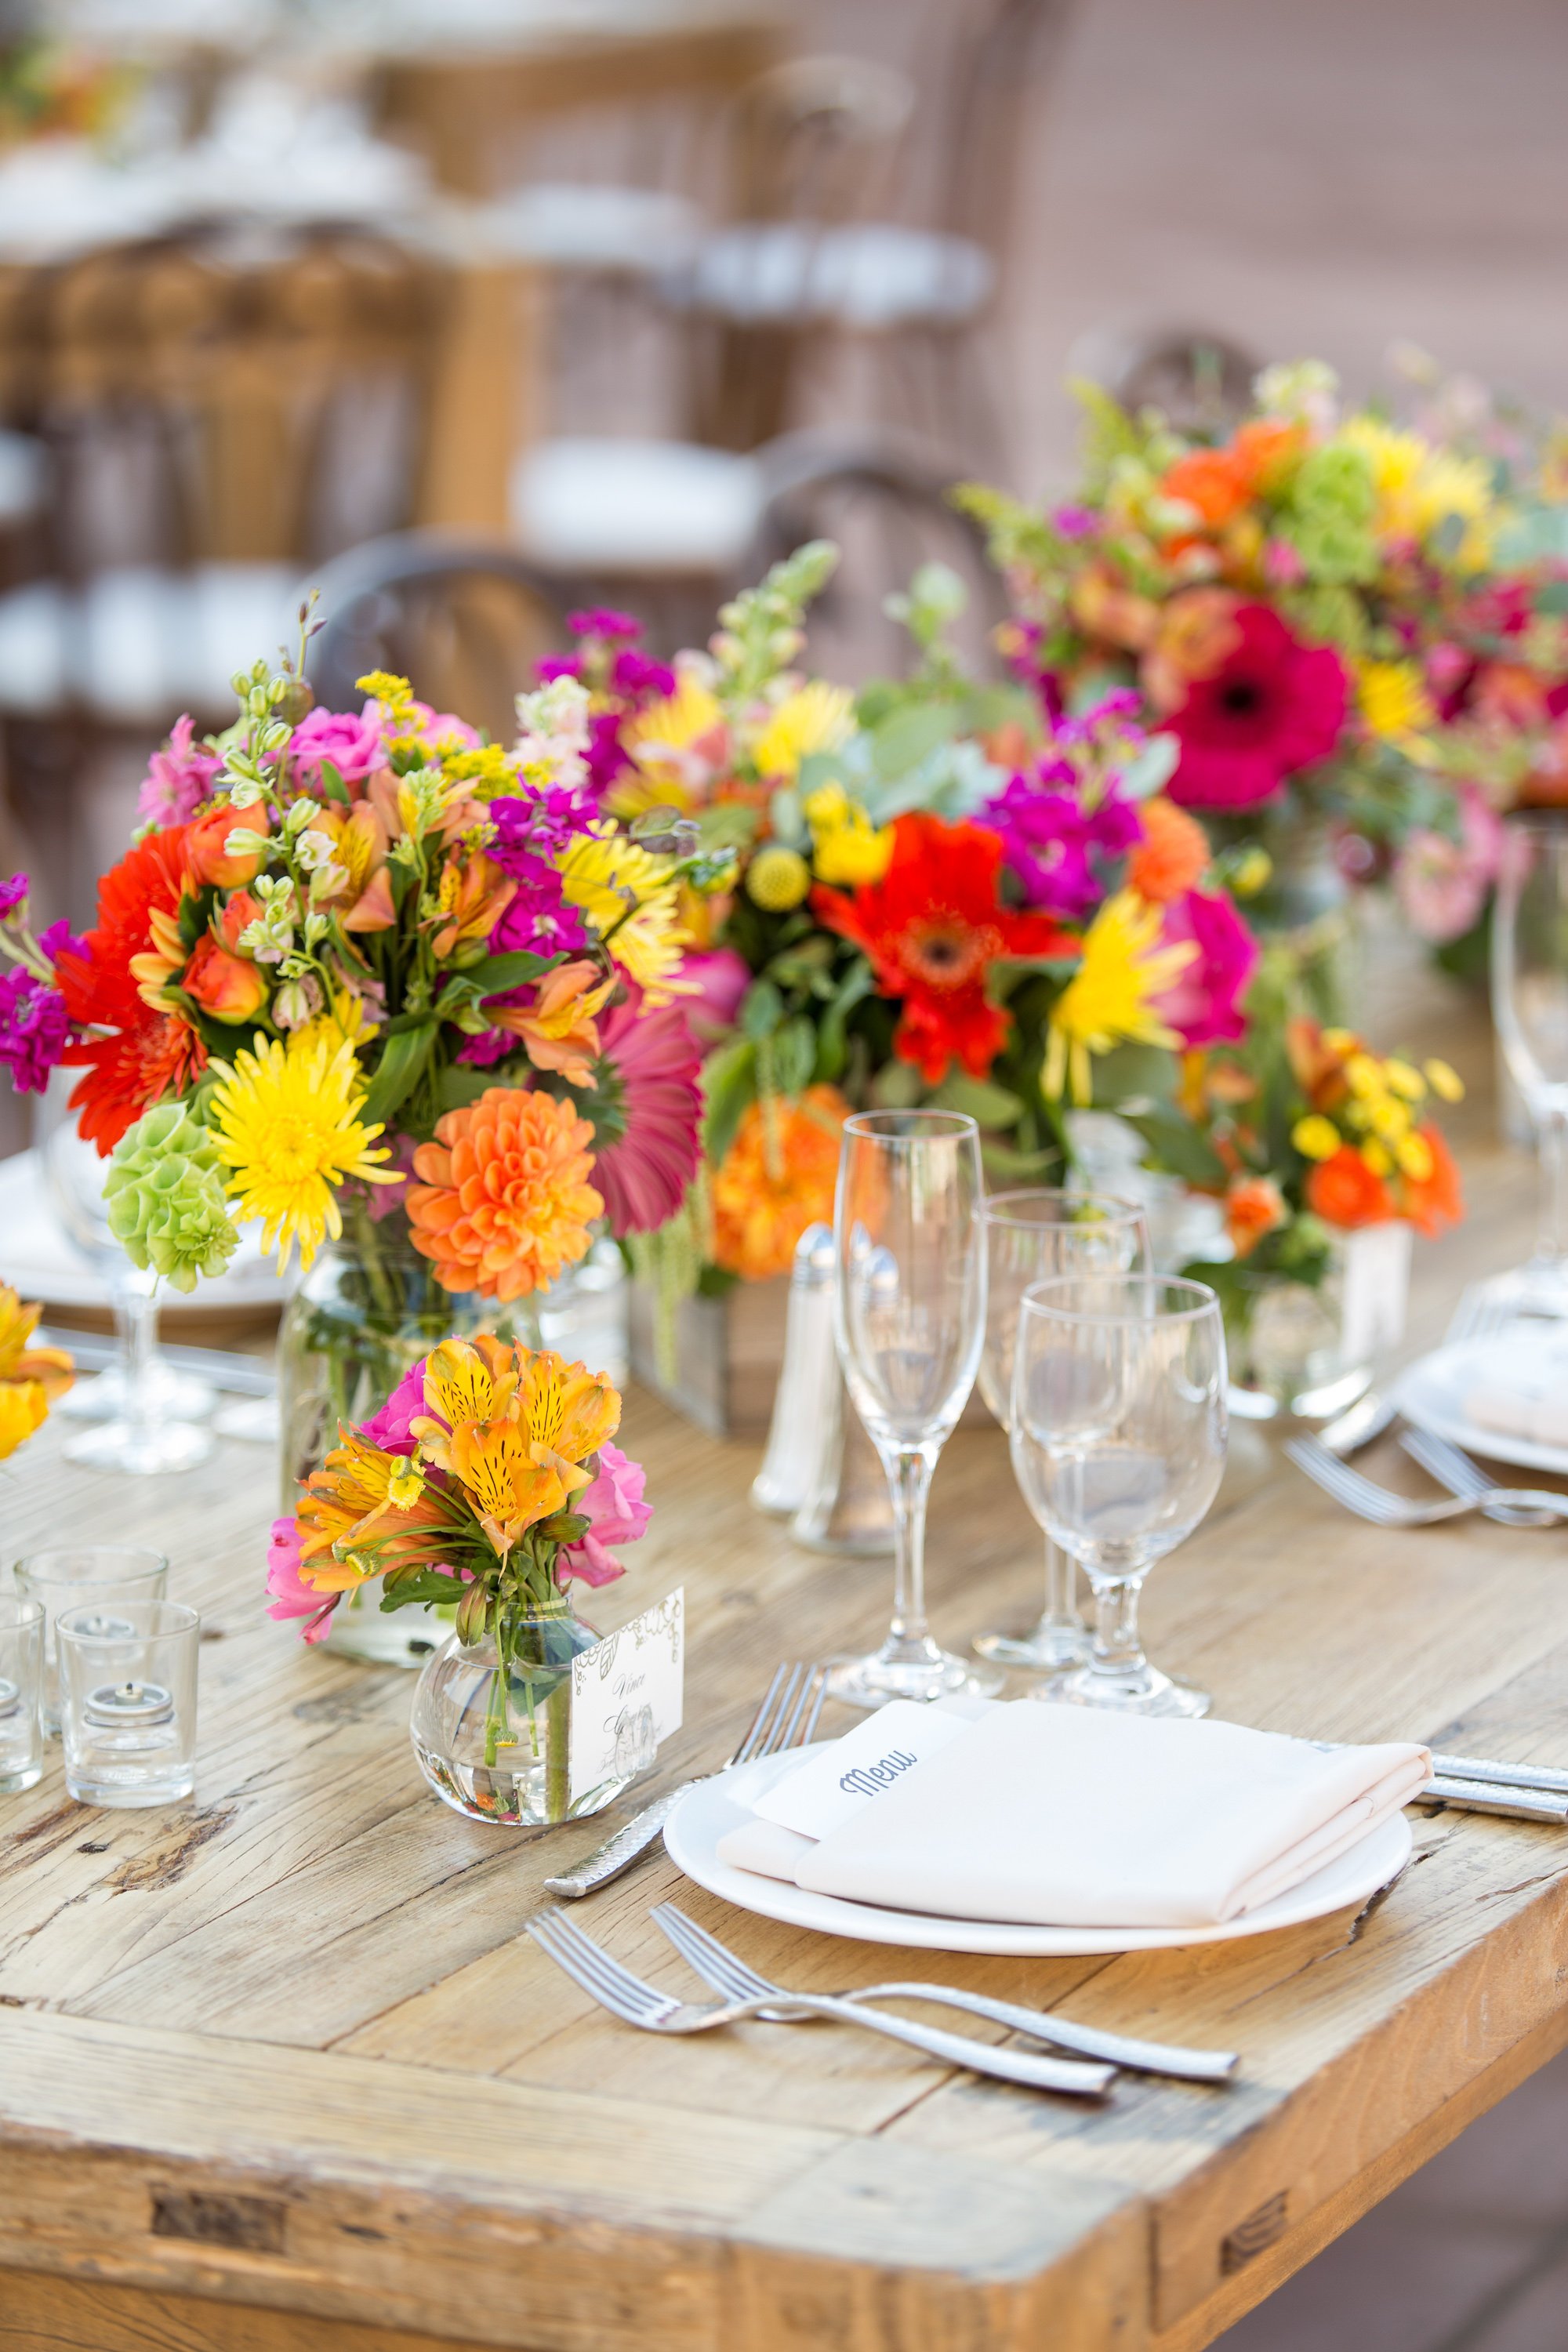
(289, 1130)
(394, 696)
(815, 718)
(487, 771)
(1110, 1000)
(631, 898)
(847, 849)
(1394, 702)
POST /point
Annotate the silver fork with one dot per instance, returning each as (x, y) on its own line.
(728, 1974)
(1388, 1510)
(1455, 1470)
(786, 1718)
(644, 2005)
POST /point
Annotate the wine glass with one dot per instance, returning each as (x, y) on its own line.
(908, 1322)
(1030, 1236)
(1118, 1439)
(1529, 1000)
(146, 1397)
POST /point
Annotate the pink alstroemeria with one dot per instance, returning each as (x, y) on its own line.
(616, 1513)
(291, 1596)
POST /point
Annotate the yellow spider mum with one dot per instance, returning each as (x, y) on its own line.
(290, 1132)
(1110, 1000)
(815, 718)
(1419, 487)
(632, 899)
(660, 739)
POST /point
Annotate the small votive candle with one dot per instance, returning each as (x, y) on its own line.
(21, 1692)
(128, 1701)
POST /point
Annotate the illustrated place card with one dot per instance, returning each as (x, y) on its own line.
(627, 1695)
(1376, 1288)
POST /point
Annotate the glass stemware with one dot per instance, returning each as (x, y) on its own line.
(145, 1398)
(1530, 1001)
(1031, 1235)
(1118, 1443)
(908, 1322)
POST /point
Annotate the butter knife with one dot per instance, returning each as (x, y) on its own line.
(618, 1853)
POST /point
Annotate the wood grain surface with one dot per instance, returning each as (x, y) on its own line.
(279, 2070)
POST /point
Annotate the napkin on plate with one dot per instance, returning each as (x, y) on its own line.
(1540, 1419)
(1063, 1816)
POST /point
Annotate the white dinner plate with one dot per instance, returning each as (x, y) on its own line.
(39, 1259)
(706, 1813)
(1529, 1357)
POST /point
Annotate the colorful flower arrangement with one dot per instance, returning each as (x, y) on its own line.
(31, 1379)
(1328, 613)
(362, 961)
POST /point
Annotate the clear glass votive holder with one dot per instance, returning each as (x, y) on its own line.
(21, 1692)
(128, 1700)
(80, 1576)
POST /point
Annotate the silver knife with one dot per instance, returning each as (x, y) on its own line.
(1490, 1797)
(618, 1853)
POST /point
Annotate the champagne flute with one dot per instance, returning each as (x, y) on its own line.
(1030, 1236)
(1118, 1441)
(908, 1322)
(1530, 1003)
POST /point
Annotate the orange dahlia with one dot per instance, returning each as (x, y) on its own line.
(770, 1188)
(504, 1202)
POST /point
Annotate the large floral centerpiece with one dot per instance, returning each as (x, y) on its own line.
(1345, 624)
(487, 1484)
(933, 895)
(369, 980)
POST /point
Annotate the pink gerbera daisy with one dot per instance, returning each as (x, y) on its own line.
(649, 1105)
(1271, 706)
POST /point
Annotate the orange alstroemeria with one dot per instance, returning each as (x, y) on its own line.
(360, 889)
(472, 896)
(559, 1027)
(350, 1529)
(508, 1489)
(230, 988)
(465, 1381)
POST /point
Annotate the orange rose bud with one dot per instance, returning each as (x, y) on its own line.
(1253, 1206)
(207, 845)
(1173, 857)
(1343, 1191)
(237, 914)
(224, 985)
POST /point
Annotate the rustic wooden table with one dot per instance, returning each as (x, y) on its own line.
(278, 2068)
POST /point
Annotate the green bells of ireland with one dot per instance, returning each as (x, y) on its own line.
(165, 1197)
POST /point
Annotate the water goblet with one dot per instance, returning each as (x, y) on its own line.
(1119, 1441)
(1031, 1235)
(909, 1322)
(1529, 1000)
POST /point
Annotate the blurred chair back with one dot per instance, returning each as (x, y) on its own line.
(816, 138)
(466, 623)
(1008, 46)
(1200, 381)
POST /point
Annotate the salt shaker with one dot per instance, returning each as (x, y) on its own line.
(804, 1402)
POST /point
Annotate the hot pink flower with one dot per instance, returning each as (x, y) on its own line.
(1204, 1005)
(722, 979)
(652, 1101)
(1271, 706)
(615, 1506)
(291, 1596)
(1441, 884)
(178, 779)
(351, 739)
(389, 1428)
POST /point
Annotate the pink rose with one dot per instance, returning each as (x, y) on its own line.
(1204, 1007)
(616, 1513)
(350, 739)
(291, 1596)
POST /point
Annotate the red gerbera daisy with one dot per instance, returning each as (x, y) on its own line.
(149, 1053)
(932, 928)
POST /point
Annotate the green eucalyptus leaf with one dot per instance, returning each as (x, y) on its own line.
(795, 1052)
(762, 1010)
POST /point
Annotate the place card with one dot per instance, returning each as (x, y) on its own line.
(1375, 1286)
(830, 1788)
(626, 1695)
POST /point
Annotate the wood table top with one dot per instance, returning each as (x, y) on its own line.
(279, 2069)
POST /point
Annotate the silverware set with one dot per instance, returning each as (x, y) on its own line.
(1534, 1506)
(743, 1995)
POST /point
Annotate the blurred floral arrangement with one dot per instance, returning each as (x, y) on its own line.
(31, 1379)
(49, 88)
(364, 963)
(1332, 615)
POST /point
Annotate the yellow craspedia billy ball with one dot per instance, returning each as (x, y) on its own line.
(777, 878)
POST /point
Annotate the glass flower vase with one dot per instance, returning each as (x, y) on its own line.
(364, 1313)
(492, 1724)
(1312, 1349)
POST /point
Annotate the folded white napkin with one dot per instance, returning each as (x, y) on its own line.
(1062, 1816)
(1540, 1416)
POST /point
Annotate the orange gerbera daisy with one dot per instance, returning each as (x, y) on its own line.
(150, 1051)
(770, 1188)
(504, 1199)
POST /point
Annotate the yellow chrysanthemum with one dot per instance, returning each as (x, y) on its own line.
(847, 849)
(1110, 1000)
(1315, 1137)
(290, 1132)
(1392, 700)
(1420, 489)
(632, 899)
(657, 740)
(815, 718)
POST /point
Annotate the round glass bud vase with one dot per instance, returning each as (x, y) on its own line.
(493, 1736)
(1312, 1349)
(366, 1310)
